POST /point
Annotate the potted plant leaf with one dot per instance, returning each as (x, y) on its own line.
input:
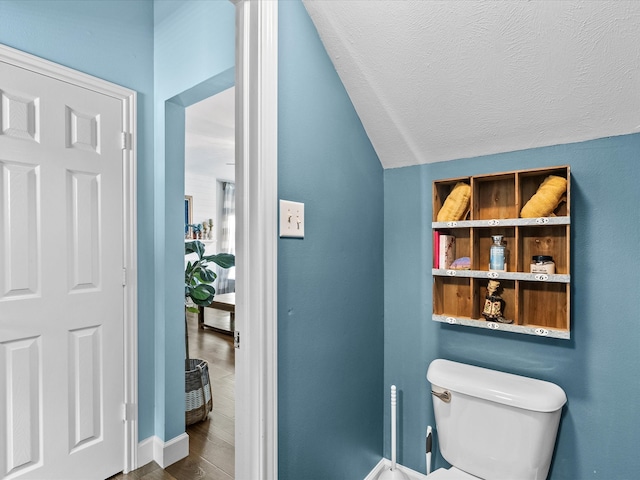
(198, 293)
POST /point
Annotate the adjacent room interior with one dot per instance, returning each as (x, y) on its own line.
(210, 218)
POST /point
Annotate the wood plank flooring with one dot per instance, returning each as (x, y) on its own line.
(212, 442)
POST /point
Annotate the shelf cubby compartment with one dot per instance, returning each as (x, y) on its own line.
(545, 306)
(442, 190)
(530, 180)
(494, 197)
(547, 240)
(508, 294)
(463, 242)
(482, 245)
(452, 296)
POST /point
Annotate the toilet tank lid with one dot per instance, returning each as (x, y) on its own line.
(505, 388)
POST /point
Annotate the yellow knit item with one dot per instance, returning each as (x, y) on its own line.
(456, 205)
(546, 199)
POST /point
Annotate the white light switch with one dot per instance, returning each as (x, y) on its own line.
(291, 219)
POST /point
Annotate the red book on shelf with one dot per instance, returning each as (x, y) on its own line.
(436, 249)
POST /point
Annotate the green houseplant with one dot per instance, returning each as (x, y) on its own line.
(198, 278)
(198, 293)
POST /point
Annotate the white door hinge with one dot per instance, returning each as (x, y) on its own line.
(124, 277)
(236, 339)
(126, 141)
(129, 411)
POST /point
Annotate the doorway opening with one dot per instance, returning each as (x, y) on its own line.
(202, 119)
(210, 186)
(256, 175)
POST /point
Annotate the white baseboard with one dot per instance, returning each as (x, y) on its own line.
(385, 463)
(163, 453)
(145, 451)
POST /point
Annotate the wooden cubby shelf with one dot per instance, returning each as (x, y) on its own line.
(536, 303)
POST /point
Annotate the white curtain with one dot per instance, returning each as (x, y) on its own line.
(226, 281)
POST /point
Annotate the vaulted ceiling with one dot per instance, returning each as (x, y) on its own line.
(440, 80)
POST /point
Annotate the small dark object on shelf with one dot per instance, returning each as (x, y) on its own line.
(494, 304)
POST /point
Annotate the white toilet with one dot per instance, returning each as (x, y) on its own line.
(493, 425)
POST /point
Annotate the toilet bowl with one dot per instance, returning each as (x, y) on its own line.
(493, 425)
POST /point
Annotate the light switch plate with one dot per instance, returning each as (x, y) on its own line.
(291, 219)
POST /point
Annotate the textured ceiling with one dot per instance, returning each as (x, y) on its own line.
(441, 80)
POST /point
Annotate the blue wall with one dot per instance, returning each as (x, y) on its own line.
(330, 288)
(194, 46)
(112, 40)
(598, 367)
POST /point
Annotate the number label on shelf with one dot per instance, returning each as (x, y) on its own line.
(493, 326)
(493, 275)
(452, 273)
(542, 220)
(542, 277)
(494, 222)
(451, 321)
(452, 224)
(543, 332)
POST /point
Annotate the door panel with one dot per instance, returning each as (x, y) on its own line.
(83, 214)
(19, 262)
(20, 116)
(61, 270)
(85, 373)
(22, 376)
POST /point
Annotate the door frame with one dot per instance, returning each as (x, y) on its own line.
(128, 99)
(256, 241)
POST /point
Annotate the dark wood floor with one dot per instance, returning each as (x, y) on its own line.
(212, 442)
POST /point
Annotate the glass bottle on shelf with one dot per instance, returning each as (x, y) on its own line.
(497, 255)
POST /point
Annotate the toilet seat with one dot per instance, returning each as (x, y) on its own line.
(450, 474)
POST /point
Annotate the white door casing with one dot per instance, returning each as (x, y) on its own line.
(256, 239)
(67, 277)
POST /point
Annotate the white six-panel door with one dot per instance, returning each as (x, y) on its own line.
(61, 279)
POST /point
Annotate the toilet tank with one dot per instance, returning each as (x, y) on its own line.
(496, 425)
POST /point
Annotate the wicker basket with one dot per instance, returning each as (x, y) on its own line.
(198, 400)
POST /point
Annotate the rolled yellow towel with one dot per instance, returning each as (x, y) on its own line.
(456, 204)
(546, 199)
